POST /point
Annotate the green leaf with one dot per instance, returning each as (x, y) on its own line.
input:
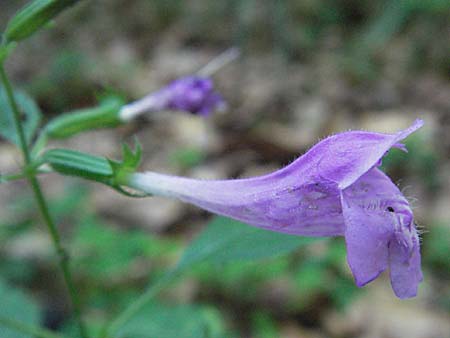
(163, 321)
(31, 115)
(226, 240)
(16, 306)
(33, 16)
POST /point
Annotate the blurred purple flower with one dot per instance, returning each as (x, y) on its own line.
(335, 189)
(193, 94)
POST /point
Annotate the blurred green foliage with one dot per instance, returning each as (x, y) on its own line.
(112, 264)
(226, 240)
(186, 158)
(106, 253)
(31, 116)
(421, 160)
(263, 325)
(68, 69)
(16, 306)
(358, 30)
(162, 321)
(437, 244)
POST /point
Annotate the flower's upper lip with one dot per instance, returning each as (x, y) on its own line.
(343, 158)
(374, 157)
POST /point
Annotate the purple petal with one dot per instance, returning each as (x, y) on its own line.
(379, 228)
(345, 157)
(268, 202)
(405, 272)
(368, 225)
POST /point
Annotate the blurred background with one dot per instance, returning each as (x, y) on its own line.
(309, 68)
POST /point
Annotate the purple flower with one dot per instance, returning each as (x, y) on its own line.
(193, 94)
(335, 189)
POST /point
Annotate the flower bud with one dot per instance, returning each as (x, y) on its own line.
(33, 16)
(75, 163)
(68, 124)
(191, 94)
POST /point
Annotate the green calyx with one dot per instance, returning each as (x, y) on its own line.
(130, 162)
(69, 124)
(34, 16)
(96, 168)
(74, 163)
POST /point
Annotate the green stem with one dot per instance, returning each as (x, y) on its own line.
(16, 115)
(42, 204)
(28, 329)
(138, 304)
(62, 254)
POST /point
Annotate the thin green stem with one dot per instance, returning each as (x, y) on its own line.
(62, 254)
(138, 304)
(42, 205)
(16, 115)
(27, 329)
